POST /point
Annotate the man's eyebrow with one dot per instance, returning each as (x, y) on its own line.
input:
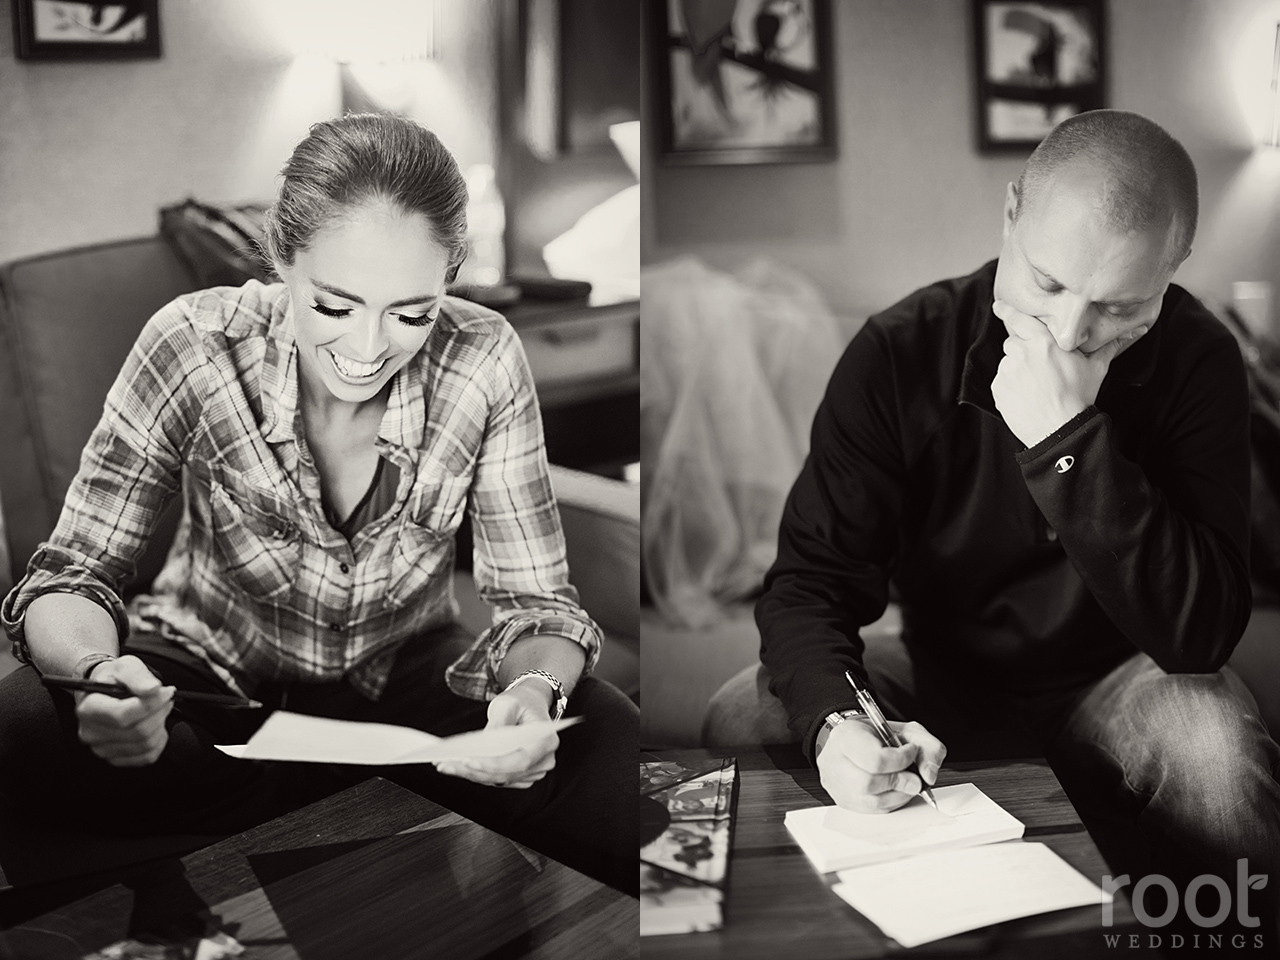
(1133, 302)
(339, 292)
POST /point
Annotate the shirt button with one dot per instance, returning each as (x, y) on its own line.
(344, 568)
(1052, 534)
(335, 627)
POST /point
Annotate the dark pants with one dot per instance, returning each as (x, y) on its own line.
(582, 813)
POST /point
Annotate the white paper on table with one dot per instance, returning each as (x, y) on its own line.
(293, 736)
(834, 838)
(935, 895)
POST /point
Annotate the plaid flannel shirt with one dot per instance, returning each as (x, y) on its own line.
(257, 582)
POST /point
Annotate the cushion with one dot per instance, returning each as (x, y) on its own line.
(219, 243)
(67, 321)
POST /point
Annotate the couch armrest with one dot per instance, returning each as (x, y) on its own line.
(601, 520)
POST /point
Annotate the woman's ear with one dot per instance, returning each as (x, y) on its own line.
(451, 275)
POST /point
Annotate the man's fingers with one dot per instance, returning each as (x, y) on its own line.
(1017, 323)
(1109, 351)
(858, 742)
(932, 751)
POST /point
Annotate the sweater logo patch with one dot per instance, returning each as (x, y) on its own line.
(1064, 464)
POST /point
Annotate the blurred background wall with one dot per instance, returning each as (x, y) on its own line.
(910, 199)
(90, 151)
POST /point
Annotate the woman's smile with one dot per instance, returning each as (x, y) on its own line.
(353, 371)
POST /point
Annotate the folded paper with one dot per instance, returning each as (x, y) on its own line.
(293, 736)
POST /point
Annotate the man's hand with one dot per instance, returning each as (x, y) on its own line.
(865, 776)
(1038, 386)
(524, 703)
(131, 732)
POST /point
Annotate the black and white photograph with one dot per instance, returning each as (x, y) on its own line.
(744, 81)
(960, 486)
(71, 30)
(644, 479)
(319, 490)
(1037, 64)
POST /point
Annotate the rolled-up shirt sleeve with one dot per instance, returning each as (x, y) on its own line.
(519, 554)
(129, 470)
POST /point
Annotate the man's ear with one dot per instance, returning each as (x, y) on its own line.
(1010, 208)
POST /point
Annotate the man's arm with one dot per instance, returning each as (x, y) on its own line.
(1165, 553)
(1165, 556)
(837, 539)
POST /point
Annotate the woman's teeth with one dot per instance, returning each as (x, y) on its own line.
(352, 369)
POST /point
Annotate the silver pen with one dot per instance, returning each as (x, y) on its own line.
(885, 732)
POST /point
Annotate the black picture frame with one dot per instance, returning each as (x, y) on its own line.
(43, 30)
(1036, 63)
(761, 88)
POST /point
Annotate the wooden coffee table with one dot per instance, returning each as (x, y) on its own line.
(778, 906)
(374, 871)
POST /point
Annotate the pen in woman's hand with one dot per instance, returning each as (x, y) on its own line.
(886, 733)
(121, 692)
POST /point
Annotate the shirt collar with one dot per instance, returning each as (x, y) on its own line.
(280, 374)
(403, 423)
(1133, 368)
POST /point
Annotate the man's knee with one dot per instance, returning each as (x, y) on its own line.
(1198, 734)
(744, 713)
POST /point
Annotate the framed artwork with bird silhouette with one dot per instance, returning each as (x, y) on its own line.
(743, 81)
(1036, 65)
(79, 30)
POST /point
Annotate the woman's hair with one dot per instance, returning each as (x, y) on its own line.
(367, 158)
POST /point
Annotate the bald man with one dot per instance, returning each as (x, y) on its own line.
(1048, 460)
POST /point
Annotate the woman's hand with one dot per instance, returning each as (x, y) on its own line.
(130, 732)
(524, 703)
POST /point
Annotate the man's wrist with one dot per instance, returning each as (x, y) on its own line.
(829, 724)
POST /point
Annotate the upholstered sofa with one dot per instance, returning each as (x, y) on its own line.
(67, 320)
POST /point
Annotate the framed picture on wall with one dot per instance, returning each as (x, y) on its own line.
(743, 81)
(1037, 64)
(65, 30)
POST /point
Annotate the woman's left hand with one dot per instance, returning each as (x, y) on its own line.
(519, 769)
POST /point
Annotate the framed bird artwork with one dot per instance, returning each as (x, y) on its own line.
(1037, 64)
(76, 30)
(743, 81)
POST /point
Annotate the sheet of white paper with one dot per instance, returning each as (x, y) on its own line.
(834, 838)
(934, 895)
(293, 736)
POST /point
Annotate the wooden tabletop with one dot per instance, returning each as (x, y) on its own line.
(779, 906)
(374, 871)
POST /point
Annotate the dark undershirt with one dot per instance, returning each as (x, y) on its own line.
(375, 502)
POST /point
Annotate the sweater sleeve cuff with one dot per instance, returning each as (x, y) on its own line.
(1063, 432)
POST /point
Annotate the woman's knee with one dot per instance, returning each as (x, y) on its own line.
(33, 733)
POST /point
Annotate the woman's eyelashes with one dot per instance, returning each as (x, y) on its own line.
(416, 320)
(321, 309)
(412, 319)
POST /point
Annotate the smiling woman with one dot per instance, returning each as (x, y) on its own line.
(328, 433)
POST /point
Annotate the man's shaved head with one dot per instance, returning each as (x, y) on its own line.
(1141, 176)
